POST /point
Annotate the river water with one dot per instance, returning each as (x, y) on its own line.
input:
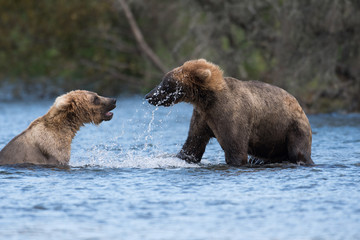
(125, 183)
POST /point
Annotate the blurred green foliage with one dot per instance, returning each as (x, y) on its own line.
(52, 39)
(308, 47)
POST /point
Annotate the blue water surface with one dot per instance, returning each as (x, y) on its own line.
(126, 183)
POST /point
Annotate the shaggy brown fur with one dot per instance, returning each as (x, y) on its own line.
(249, 117)
(193, 71)
(47, 141)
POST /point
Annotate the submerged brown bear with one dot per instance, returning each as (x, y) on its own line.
(246, 117)
(47, 141)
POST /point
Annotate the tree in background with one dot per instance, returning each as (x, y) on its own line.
(309, 47)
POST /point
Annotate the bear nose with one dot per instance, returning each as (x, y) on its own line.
(113, 101)
(152, 93)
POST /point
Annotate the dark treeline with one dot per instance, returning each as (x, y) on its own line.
(309, 47)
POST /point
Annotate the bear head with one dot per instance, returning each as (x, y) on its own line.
(82, 106)
(186, 83)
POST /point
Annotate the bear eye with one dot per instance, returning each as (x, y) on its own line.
(96, 100)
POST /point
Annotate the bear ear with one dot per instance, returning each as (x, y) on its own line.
(202, 74)
(63, 102)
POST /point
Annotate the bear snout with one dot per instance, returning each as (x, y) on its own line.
(154, 96)
(111, 104)
(113, 101)
(165, 96)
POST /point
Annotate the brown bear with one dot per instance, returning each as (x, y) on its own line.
(47, 141)
(246, 117)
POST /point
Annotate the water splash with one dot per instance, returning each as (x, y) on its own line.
(130, 159)
(148, 136)
(140, 141)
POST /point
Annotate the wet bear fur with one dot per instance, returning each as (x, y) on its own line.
(47, 140)
(246, 117)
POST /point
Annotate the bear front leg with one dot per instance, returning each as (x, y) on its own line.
(198, 137)
(193, 149)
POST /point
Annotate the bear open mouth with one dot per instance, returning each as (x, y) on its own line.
(108, 115)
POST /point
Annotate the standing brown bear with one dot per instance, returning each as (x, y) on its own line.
(47, 141)
(246, 117)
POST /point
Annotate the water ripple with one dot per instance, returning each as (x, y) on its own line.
(125, 180)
